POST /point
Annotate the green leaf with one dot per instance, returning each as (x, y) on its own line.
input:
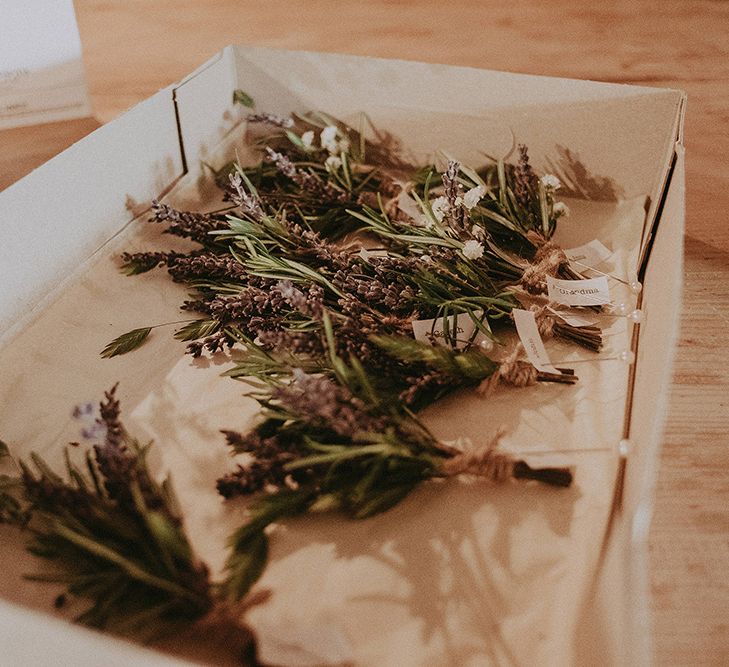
(472, 365)
(383, 499)
(241, 97)
(127, 342)
(295, 139)
(246, 564)
(197, 329)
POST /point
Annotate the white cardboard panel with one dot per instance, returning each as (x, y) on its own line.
(55, 218)
(618, 129)
(205, 108)
(654, 366)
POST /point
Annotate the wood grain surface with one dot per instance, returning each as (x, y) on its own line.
(132, 48)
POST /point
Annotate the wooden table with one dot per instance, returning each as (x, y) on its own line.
(134, 47)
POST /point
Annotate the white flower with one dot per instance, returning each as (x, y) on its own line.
(472, 197)
(561, 209)
(365, 254)
(308, 138)
(439, 207)
(472, 250)
(328, 138)
(333, 162)
(425, 258)
(551, 182)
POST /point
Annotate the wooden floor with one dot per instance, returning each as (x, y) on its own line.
(134, 47)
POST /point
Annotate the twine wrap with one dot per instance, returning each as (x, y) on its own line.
(547, 262)
(482, 462)
(545, 320)
(511, 371)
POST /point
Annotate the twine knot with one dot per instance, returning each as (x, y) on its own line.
(547, 261)
(511, 371)
(544, 319)
(482, 462)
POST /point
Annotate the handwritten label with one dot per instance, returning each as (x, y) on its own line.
(526, 327)
(589, 292)
(571, 318)
(592, 254)
(462, 329)
(41, 73)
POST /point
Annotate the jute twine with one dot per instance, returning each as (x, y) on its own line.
(511, 371)
(547, 261)
(545, 320)
(482, 462)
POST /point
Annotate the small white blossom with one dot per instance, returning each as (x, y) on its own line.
(333, 162)
(551, 182)
(425, 258)
(439, 207)
(308, 138)
(472, 250)
(365, 254)
(561, 209)
(473, 196)
(328, 138)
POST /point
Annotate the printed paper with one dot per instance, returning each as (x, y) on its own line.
(588, 292)
(572, 319)
(590, 254)
(429, 331)
(526, 327)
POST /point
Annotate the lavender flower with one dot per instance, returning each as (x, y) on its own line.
(195, 226)
(206, 266)
(270, 119)
(307, 181)
(455, 213)
(311, 304)
(319, 401)
(267, 470)
(525, 181)
(249, 204)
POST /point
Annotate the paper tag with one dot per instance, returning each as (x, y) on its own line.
(571, 319)
(588, 292)
(591, 254)
(41, 72)
(526, 327)
(429, 331)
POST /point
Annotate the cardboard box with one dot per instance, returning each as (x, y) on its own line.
(458, 574)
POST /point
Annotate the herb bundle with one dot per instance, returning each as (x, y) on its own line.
(114, 536)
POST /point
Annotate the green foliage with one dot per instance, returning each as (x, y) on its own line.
(112, 535)
(472, 365)
(243, 98)
(197, 329)
(131, 340)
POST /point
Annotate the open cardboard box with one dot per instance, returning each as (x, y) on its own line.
(461, 574)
